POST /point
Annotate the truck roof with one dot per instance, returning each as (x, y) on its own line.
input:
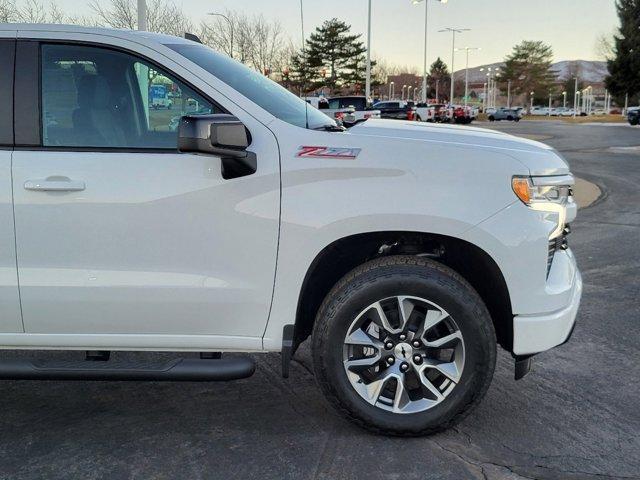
(134, 35)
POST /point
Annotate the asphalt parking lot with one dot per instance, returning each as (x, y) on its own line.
(576, 416)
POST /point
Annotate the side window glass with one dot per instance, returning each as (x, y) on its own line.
(96, 97)
(165, 100)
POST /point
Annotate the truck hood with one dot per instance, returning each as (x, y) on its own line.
(539, 158)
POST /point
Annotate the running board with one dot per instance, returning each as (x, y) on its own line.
(176, 370)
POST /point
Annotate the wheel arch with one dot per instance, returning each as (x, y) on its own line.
(345, 254)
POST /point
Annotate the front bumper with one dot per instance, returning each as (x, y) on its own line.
(536, 333)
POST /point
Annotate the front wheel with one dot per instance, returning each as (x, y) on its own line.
(492, 118)
(403, 345)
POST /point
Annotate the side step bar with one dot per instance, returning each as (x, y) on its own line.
(176, 370)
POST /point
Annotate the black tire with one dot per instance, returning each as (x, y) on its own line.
(419, 118)
(634, 121)
(517, 119)
(403, 275)
(492, 118)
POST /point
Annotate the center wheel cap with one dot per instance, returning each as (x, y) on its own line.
(403, 351)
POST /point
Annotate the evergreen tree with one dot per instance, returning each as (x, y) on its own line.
(624, 68)
(439, 73)
(529, 69)
(334, 57)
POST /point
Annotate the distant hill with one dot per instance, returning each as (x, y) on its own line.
(589, 71)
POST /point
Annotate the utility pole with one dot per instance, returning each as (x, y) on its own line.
(466, 71)
(230, 29)
(509, 94)
(453, 54)
(425, 72)
(575, 99)
(626, 104)
(142, 15)
(368, 82)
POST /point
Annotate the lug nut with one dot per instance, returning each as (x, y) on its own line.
(388, 345)
(403, 337)
(404, 367)
(391, 360)
(417, 359)
(416, 344)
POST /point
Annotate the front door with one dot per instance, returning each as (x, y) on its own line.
(117, 232)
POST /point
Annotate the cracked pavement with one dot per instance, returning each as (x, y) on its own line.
(575, 417)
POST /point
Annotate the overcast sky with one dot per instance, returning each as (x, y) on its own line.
(570, 26)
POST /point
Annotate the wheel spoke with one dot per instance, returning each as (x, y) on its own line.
(374, 389)
(429, 386)
(401, 398)
(383, 321)
(360, 337)
(405, 307)
(447, 341)
(362, 362)
(431, 319)
(448, 369)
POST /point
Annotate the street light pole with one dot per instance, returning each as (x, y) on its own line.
(564, 100)
(142, 15)
(425, 72)
(368, 81)
(509, 94)
(230, 29)
(453, 54)
(575, 99)
(466, 71)
(531, 107)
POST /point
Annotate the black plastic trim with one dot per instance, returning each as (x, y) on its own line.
(522, 366)
(7, 60)
(178, 370)
(288, 334)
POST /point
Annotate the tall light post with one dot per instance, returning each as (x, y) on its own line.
(437, 89)
(550, 98)
(491, 72)
(509, 94)
(576, 94)
(403, 88)
(213, 14)
(392, 90)
(425, 73)
(466, 71)
(453, 54)
(564, 100)
(409, 92)
(531, 107)
(142, 15)
(368, 74)
(485, 94)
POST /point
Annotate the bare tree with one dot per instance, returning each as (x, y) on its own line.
(163, 16)
(266, 45)
(605, 46)
(8, 11)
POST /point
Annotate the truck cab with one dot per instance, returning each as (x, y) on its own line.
(242, 219)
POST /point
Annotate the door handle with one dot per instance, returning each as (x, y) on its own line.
(55, 184)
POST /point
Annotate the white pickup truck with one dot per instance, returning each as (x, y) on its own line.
(406, 251)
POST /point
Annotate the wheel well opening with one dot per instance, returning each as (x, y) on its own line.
(342, 256)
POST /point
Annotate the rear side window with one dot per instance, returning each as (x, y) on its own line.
(7, 56)
(97, 97)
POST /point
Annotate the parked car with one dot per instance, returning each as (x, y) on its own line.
(569, 112)
(425, 112)
(462, 114)
(397, 110)
(504, 114)
(539, 111)
(339, 114)
(362, 109)
(407, 254)
(633, 115)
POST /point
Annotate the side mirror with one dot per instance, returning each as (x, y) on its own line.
(220, 135)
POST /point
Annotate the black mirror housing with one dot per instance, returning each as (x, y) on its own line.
(220, 135)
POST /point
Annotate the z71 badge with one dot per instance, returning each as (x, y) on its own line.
(328, 152)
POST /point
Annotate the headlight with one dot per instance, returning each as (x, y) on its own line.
(546, 194)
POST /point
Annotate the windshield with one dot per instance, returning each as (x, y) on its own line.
(275, 99)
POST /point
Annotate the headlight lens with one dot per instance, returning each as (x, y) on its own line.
(546, 194)
(542, 189)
